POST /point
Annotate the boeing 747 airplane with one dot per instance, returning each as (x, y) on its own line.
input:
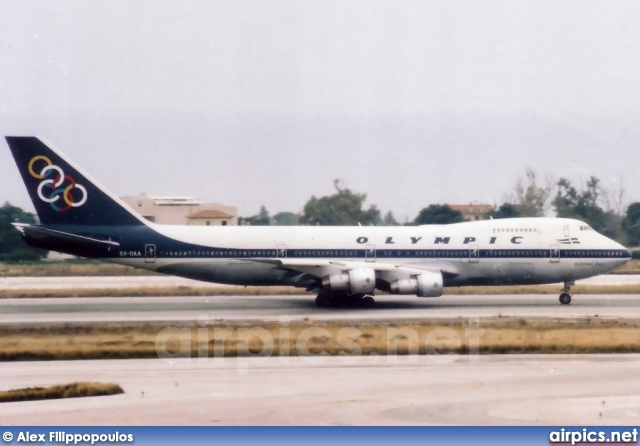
(80, 217)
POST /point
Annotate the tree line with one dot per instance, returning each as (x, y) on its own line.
(12, 247)
(603, 210)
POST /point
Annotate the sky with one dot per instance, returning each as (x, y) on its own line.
(266, 103)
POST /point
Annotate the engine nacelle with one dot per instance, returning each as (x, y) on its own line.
(427, 284)
(355, 281)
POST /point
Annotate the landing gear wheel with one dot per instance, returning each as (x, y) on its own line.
(325, 300)
(330, 299)
(368, 302)
(565, 297)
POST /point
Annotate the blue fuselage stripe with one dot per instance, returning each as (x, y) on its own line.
(391, 253)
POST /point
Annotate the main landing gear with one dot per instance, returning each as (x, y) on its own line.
(565, 297)
(330, 299)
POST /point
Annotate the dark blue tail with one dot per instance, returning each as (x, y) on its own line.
(61, 193)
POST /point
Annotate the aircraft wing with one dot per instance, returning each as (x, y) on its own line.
(385, 271)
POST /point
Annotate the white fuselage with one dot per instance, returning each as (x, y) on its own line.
(492, 252)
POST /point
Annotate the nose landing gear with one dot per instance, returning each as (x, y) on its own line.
(565, 297)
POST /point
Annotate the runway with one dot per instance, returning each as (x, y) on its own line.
(291, 308)
(481, 390)
(274, 308)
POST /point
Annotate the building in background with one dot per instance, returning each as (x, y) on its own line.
(183, 211)
(472, 212)
(212, 217)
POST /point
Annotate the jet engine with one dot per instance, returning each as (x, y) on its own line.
(355, 281)
(426, 284)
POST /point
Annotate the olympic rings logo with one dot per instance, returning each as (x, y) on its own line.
(51, 187)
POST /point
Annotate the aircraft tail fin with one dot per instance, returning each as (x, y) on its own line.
(62, 193)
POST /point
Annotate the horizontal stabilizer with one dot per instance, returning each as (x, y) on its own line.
(41, 237)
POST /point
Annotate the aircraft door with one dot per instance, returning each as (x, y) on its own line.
(149, 253)
(555, 253)
(474, 253)
(370, 253)
(281, 251)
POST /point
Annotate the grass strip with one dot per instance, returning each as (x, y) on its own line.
(305, 338)
(78, 267)
(543, 289)
(152, 291)
(74, 390)
(69, 268)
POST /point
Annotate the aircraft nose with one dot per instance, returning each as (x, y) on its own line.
(625, 253)
(620, 251)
